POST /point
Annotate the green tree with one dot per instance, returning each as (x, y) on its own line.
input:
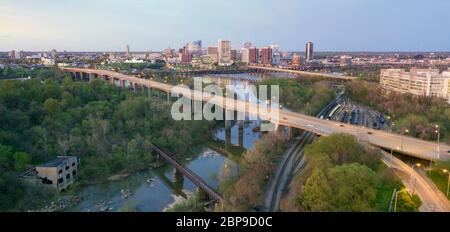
(406, 203)
(11, 190)
(353, 187)
(52, 106)
(22, 160)
(316, 195)
(341, 148)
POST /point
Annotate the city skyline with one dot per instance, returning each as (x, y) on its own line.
(109, 25)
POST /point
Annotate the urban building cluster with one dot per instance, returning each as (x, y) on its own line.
(223, 54)
(45, 58)
(419, 82)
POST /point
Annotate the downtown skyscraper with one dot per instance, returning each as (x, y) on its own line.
(224, 47)
(309, 51)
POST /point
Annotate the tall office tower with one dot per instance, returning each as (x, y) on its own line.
(224, 48)
(233, 55)
(185, 55)
(266, 56)
(197, 48)
(213, 52)
(274, 47)
(276, 55)
(253, 55)
(245, 55)
(190, 47)
(247, 45)
(127, 50)
(53, 53)
(309, 51)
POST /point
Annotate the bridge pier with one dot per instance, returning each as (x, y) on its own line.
(229, 116)
(285, 131)
(289, 132)
(241, 133)
(122, 83)
(227, 137)
(178, 179)
(84, 76)
(91, 77)
(202, 194)
(149, 91)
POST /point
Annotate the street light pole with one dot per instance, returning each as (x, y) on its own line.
(412, 170)
(438, 131)
(448, 181)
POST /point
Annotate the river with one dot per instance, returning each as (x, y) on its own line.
(154, 190)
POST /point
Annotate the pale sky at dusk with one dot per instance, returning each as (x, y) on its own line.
(333, 25)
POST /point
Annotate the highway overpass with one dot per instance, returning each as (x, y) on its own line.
(411, 146)
(298, 72)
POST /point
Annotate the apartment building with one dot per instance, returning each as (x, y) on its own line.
(420, 82)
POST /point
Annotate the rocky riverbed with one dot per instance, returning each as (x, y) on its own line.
(59, 205)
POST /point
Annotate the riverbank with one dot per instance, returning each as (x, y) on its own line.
(151, 190)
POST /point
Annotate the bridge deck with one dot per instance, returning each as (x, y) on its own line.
(411, 146)
(327, 75)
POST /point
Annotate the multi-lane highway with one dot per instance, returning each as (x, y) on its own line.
(411, 146)
(432, 199)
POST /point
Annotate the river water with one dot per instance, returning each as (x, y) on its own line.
(154, 190)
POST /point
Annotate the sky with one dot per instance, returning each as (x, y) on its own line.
(333, 25)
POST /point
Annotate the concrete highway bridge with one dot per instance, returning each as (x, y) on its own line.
(189, 73)
(298, 72)
(389, 141)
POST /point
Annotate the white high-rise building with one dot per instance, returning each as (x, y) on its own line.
(245, 55)
(276, 56)
(224, 47)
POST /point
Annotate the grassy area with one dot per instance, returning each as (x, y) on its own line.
(440, 179)
(384, 195)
